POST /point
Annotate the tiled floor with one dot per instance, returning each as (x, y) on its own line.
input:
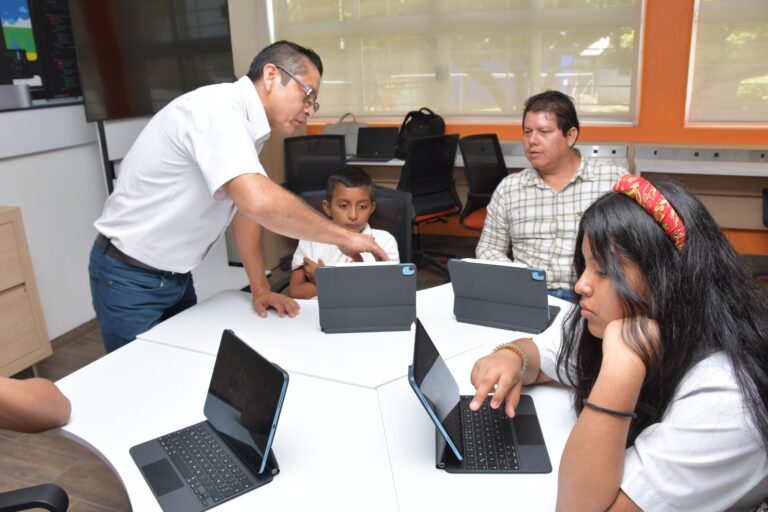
(92, 487)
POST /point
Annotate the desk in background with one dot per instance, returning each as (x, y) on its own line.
(387, 174)
(514, 156)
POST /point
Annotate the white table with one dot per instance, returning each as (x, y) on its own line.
(297, 344)
(434, 307)
(352, 434)
(411, 444)
(329, 458)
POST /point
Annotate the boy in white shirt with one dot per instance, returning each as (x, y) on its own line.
(349, 203)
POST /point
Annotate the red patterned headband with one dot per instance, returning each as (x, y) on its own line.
(654, 202)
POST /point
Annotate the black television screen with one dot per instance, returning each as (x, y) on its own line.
(135, 56)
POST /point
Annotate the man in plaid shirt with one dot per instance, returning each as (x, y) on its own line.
(533, 216)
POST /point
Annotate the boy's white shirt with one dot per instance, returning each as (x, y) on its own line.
(331, 255)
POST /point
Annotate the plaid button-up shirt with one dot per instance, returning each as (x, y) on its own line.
(537, 226)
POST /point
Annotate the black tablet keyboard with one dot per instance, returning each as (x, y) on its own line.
(485, 448)
(210, 472)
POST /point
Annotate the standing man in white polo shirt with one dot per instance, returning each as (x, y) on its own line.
(194, 168)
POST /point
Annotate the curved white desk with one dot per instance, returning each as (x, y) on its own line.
(352, 435)
(328, 457)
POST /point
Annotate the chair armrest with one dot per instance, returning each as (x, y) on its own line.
(50, 497)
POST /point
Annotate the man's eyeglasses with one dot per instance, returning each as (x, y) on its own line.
(308, 91)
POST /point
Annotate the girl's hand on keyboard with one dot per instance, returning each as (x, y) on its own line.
(499, 373)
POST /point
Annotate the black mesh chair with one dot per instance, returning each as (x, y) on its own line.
(485, 168)
(49, 497)
(310, 159)
(428, 176)
(393, 213)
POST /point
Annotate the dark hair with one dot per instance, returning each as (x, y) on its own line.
(287, 54)
(557, 103)
(701, 298)
(349, 176)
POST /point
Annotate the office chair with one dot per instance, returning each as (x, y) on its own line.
(485, 168)
(49, 497)
(428, 175)
(393, 213)
(310, 159)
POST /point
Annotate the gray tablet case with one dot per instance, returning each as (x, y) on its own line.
(366, 298)
(501, 296)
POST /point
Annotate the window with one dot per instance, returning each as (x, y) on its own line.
(728, 73)
(472, 60)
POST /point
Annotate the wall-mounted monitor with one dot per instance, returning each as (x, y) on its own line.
(37, 49)
(135, 56)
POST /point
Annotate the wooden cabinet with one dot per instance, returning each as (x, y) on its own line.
(23, 336)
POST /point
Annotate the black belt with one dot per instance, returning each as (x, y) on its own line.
(116, 253)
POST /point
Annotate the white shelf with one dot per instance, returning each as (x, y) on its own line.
(704, 167)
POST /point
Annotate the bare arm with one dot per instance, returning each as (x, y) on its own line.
(248, 237)
(260, 199)
(593, 459)
(500, 373)
(32, 405)
(301, 287)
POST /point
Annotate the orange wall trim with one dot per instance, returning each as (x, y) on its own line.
(663, 85)
(748, 241)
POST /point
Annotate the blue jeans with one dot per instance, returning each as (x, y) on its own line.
(564, 293)
(129, 300)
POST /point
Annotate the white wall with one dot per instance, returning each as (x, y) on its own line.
(50, 168)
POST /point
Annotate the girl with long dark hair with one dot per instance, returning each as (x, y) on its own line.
(667, 352)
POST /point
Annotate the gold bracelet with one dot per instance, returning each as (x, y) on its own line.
(514, 347)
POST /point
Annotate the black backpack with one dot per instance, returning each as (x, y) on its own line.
(418, 123)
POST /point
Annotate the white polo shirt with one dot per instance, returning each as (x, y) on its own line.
(168, 207)
(705, 454)
(330, 254)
